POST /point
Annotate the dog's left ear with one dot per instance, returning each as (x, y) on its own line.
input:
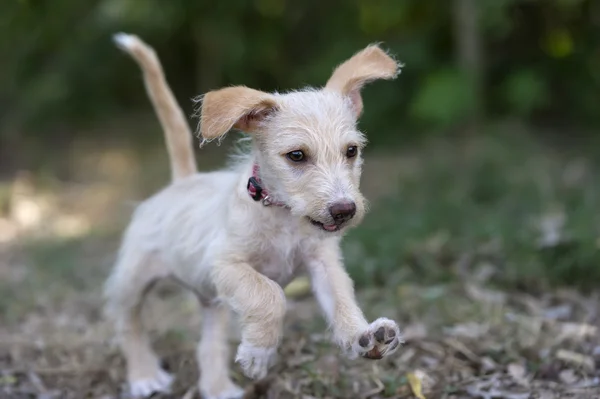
(370, 64)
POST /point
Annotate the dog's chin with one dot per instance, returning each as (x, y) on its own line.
(328, 228)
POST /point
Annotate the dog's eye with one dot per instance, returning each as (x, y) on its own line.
(351, 151)
(295, 156)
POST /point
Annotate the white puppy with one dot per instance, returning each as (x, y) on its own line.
(237, 236)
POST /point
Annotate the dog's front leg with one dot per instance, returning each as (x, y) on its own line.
(335, 292)
(260, 304)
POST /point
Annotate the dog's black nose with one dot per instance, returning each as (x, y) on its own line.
(342, 211)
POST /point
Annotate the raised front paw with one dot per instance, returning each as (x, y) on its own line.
(255, 361)
(380, 340)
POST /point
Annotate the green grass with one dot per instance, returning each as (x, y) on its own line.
(463, 204)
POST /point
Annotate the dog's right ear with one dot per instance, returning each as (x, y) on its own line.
(236, 107)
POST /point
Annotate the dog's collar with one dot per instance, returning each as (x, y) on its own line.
(258, 193)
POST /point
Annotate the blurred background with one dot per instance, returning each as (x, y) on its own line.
(482, 161)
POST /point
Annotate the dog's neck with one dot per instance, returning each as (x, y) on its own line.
(258, 192)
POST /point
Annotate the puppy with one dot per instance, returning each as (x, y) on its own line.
(235, 237)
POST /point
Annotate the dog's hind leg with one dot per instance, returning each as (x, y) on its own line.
(133, 276)
(213, 355)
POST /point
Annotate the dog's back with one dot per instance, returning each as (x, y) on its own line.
(172, 223)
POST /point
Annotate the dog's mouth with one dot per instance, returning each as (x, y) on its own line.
(326, 227)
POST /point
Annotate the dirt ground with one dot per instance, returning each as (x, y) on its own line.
(464, 339)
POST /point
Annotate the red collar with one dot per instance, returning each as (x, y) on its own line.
(258, 193)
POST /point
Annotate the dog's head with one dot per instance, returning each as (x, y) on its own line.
(308, 147)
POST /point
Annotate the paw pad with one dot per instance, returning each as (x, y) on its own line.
(380, 340)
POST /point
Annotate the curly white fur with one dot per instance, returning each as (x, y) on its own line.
(204, 230)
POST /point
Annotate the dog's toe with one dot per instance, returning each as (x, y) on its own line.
(255, 361)
(142, 388)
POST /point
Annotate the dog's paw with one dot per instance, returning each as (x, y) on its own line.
(145, 387)
(255, 361)
(380, 340)
(231, 392)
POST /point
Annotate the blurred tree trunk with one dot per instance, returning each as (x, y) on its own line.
(467, 38)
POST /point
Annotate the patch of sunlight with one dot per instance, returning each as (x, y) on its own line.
(92, 162)
(27, 212)
(558, 43)
(71, 226)
(28, 209)
(60, 211)
(117, 163)
(8, 231)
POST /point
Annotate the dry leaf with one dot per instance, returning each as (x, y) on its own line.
(405, 356)
(529, 329)
(298, 287)
(485, 295)
(517, 373)
(575, 358)
(414, 332)
(190, 394)
(328, 366)
(568, 377)
(546, 395)
(467, 330)
(576, 331)
(415, 385)
(8, 380)
(461, 348)
(559, 312)
(488, 364)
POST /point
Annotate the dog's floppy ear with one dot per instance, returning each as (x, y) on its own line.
(370, 64)
(234, 107)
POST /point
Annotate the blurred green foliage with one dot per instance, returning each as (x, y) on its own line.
(59, 67)
(493, 200)
(540, 63)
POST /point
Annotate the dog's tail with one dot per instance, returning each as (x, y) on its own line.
(177, 131)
